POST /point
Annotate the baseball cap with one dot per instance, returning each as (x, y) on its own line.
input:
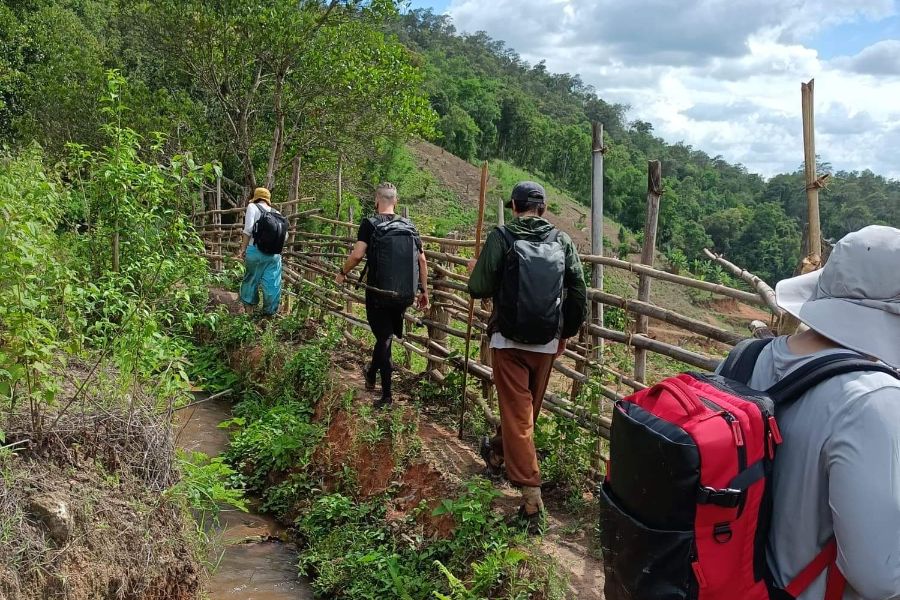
(527, 193)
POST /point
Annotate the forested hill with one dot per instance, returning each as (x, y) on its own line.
(492, 104)
(248, 87)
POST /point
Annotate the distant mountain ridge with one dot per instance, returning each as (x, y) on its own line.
(492, 104)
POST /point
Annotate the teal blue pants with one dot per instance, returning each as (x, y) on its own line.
(262, 271)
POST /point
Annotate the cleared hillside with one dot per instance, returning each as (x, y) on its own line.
(455, 180)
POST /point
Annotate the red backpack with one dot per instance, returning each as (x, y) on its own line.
(686, 505)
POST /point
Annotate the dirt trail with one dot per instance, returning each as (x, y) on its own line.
(569, 539)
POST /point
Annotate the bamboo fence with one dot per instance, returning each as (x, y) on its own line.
(312, 258)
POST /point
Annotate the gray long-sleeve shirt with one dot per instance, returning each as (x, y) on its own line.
(837, 473)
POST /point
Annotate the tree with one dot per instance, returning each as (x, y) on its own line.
(769, 245)
(281, 78)
(460, 133)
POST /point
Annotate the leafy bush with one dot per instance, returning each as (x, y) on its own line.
(354, 554)
(279, 439)
(35, 282)
(208, 483)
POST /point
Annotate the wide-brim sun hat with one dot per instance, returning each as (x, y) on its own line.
(261, 193)
(854, 299)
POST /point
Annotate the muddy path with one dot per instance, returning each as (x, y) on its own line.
(569, 538)
(256, 564)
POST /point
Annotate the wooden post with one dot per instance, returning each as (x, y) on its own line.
(812, 185)
(501, 216)
(597, 151)
(293, 196)
(597, 343)
(437, 314)
(217, 221)
(478, 227)
(405, 212)
(654, 191)
(787, 323)
(348, 305)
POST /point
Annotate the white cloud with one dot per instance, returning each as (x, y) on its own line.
(881, 58)
(721, 75)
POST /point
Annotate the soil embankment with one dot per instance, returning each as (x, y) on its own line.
(84, 514)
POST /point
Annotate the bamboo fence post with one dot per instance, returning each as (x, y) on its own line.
(217, 221)
(437, 314)
(484, 348)
(787, 323)
(654, 191)
(348, 304)
(597, 151)
(812, 183)
(407, 356)
(478, 228)
(293, 197)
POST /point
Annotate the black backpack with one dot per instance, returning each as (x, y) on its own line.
(529, 301)
(270, 231)
(394, 262)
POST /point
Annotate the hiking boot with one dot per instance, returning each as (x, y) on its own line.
(383, 402)
(531, 523)
(491, 471)
(370, 379)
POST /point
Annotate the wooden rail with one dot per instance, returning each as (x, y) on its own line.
(311, 260)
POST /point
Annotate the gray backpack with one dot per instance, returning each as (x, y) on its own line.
(529, 301)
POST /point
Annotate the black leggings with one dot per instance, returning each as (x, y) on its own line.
(385, 323)
(381, 363)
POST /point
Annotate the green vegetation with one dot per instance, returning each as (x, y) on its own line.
(102, 286)
(351, 548)
(102, 265)
(245, 86)
(437, 210)
(491, 104)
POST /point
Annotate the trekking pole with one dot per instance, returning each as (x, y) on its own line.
(481, 193)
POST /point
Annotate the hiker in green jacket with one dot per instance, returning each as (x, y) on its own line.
(533, 273)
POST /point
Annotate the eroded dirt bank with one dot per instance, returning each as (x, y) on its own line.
(84, 516)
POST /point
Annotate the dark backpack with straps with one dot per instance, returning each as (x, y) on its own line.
(270, 231)
(393, 264)
(686, 506)
(529, 301)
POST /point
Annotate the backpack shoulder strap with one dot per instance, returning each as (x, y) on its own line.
(552, 236)
(742, 359)
(507, 235)
(806, 377)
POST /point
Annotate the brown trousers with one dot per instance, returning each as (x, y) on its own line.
(521, 378)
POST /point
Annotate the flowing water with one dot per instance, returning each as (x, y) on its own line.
(256, 564)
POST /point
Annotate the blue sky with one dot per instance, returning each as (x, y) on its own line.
(841, 40)
(438, 6)
(723, 75)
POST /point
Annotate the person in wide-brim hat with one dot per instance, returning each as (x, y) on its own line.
(835, 476)
(854, 300)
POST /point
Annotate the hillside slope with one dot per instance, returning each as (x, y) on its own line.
(462, 178)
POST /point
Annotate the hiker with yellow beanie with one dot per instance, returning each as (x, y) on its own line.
(263, 236)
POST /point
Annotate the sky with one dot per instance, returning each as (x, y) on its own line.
(723, 75)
